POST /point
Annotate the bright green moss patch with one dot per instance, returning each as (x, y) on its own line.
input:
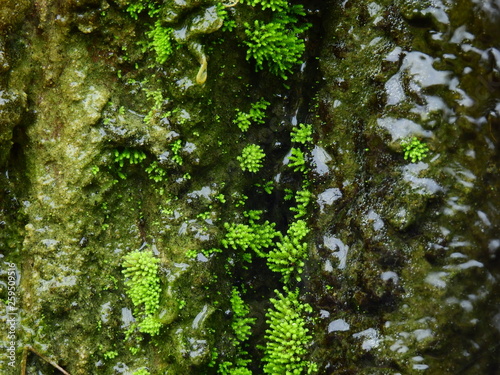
(297, 160)
(414, 149)
(138, 6)
(143, 287)
(275, 45)
(251, 158)
(254, 235)
(302, 134)
(141, 371)
(160, 41)
(256, 115)
(302, 197)
(287, 338)
(290, 253)
(274, 5)
(242, 324)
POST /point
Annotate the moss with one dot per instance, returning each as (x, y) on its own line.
(289, 255)
(256, 115)
(297, 160)
(287, 338)
(302, 134)
(414, 149)
(251, 158)
(96, 80)
(161, 41)
(274, 44)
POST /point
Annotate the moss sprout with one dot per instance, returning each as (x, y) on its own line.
(156, 172)
(176, 148)
(150, 325)
(143, 283)
(143, 287)
(110, 354)
(141, 371)
(252, 236)
(302, 197)
(302, 134)
(133, 156)
(414, 149)
(138, 6)
(251, 158)
(289, 254)
(160, 40)
(241, 322)
(275, 44)
(274, 5)
(256, 115)
(287, 337)
(297, 160)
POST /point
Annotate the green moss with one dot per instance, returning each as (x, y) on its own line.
(176, 148)
(141, 371)
(287, 338)
(256, 115)
(156, 172)
(238, 368)
(302, 197)
(161, 41)
(228, 24)
(251, 158)
(290, 253)
(274, 5)
(242, 324)
(302, 134)
(255, 236)
(275, 45)
(151, 325)
(110, 354)
(297, 160)
(133, 156)
(138, 6)
(414, 149)
(143, 287)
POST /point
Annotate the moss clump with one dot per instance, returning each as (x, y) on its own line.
(290, 253)
(302, 134)
(297, 160)
(255, 236)
(251, 158)
(277, 43)
(414, 149)
(255, 115)
(302, 197)
(160, 40)
(241, 322)
(133, 156)
(143, 288)
(141, 371)
(138, 6)
(274, 5)
(274, 44)
(287, 336)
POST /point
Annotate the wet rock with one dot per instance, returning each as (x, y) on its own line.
(12, 106)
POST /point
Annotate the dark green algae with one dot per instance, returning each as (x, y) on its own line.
(404, 254)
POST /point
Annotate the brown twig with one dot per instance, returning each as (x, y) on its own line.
(46, 359)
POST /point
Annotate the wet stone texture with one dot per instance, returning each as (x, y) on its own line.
(403, 268)
(409, 251)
